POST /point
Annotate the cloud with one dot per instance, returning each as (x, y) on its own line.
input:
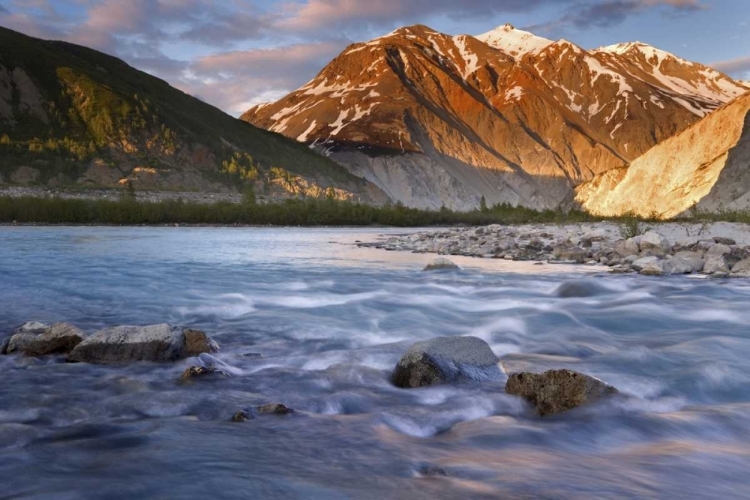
(218, 40)
(315, 15)
(737, 66)
(237, 80)
(611, 12)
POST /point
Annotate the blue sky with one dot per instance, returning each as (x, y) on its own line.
(235, 53)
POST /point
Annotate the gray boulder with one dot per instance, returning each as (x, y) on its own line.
(581, 288)
(680, 265)
(645, 262)
(60, 338)
(719, 249)
(695, 259)
(574, 254)
(440, 264)
(446, 359)
(742, 268)
(715, 264)
(724, 241)
(655, 268)
(556, 391)
(32, 327)
(626, 247)
(126, 344)
(653, 241)
(4, 346)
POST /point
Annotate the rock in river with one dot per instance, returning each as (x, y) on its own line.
(446, 359)
(440, 264)
(126, 344)
(556, 391)
(201, 371)
(37, 339)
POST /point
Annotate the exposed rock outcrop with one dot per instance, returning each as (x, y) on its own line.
(557, 391)
(706, 167)
(446, 359)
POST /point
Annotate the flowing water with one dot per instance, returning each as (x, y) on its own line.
(306, 318)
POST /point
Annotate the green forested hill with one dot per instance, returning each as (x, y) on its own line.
(70, 115)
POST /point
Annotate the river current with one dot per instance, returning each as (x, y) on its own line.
(306, 318)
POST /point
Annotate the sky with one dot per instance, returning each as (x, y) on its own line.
(237, 53)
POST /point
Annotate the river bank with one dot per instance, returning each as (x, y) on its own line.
(719, 249)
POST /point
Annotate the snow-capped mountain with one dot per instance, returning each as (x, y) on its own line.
(435, 119)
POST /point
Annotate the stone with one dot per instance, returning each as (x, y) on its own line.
(4, 346)
(440, 264)
(644, 262)
(557, 391)
(127, 344)
(431, 471)
(197, 342)
(201, 371)
(724, 241)
(446, 359)
(742, 268)
(719, 249)
(60, 338)
(32, 327)
(574, 254)
(621, 269)
(680, 265)
(273, 409)
(581, 288)
(241, 416)
(625, 248)
(654, 267)
(654, 241)
(695, 259)
(715, 264)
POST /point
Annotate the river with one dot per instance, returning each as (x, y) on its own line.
(306, 318)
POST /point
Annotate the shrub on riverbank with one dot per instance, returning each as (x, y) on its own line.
(292, 212)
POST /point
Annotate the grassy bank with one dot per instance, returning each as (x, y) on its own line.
(295, 212)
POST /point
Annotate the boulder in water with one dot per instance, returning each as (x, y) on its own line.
(266, 409)
(556, 391)
(201, 371)
(440, 264)
(126, 344)
(446, 359)
(581, 288)
(38, 339)
(273, 409)
(241, 416)
(197, 342)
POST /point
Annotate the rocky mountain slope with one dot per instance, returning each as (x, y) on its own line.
(71, 116)
(707, 165)
(435, 119)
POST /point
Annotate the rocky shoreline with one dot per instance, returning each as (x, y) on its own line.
(719, 251)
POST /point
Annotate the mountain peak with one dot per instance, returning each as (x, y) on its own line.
(514, 42)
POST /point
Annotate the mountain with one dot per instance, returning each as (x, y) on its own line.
(70, 115)
(435, 119)
(707, 166)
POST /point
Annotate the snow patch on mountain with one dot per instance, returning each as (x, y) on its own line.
(514, 42)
